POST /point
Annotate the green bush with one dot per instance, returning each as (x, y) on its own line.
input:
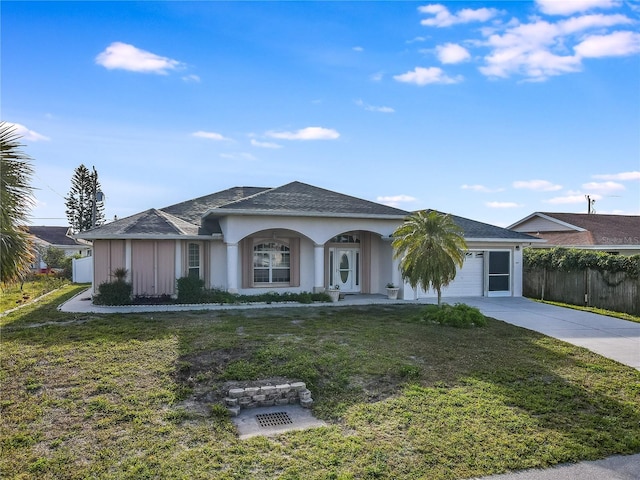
(190, 290)
(459, 315)
(113, 293)
(572, 259)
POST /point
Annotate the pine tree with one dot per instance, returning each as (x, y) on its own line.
(85, 190)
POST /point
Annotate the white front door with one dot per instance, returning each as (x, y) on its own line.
(345, 269)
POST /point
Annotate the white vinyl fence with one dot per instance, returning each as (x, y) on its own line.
(83, 270)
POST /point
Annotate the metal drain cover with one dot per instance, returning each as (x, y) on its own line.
(275, 419)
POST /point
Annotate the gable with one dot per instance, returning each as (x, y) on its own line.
(575, 229)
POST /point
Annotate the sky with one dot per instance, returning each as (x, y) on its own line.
(486, 110)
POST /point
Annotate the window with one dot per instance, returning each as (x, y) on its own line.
(346, 238)
(271, 263)
(193, 260)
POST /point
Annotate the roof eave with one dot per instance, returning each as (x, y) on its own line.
(505, 240)
(144, 236)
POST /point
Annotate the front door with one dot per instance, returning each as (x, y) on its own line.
(345, 269)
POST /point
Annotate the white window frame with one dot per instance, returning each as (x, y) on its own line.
(272, 266)
(191, 267)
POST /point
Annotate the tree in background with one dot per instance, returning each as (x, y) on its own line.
(85, 208)
(54, 257)
(16, 200)
(430, 246)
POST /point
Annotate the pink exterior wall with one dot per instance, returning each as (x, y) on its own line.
(153, 267)
(108, 255)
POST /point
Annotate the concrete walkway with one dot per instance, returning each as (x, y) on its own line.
(607, 336)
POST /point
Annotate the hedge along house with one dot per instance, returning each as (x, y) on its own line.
(292, 238)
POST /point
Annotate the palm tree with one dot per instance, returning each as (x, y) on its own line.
(15, 203)
(430, 246)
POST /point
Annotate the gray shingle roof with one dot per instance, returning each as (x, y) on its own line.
(297, 197)
(193, 210)
(52, 235)
(150, 222)
(474, 229)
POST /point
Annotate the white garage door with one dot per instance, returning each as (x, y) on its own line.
(468, 281)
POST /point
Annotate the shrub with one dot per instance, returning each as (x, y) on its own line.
(459, 315)
(190, 290)
(113, 293)
(571, 259)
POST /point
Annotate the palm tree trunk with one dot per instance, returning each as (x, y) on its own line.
(439, 296)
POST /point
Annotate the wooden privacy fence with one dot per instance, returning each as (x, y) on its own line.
(618, 291)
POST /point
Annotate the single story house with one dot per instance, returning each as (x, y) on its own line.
(57, 237)
(619, 234)
(294, 238)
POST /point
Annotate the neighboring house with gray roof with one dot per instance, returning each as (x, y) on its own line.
(57, 237)
(295, 238)
(591, 231)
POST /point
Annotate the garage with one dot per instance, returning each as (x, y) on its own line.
(468, 281)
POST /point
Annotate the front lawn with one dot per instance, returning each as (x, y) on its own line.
(16, 294)
(130, 396)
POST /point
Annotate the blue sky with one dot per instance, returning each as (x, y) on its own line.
(487, 110)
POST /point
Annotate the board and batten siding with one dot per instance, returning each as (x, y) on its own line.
(153, 267)
(108, 255)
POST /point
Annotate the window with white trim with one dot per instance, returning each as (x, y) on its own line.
(193, 260)
(271, 263)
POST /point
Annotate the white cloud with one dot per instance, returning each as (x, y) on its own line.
(616, 44)
(396, 200)
(358, 49)
(209, 135)
(541, 49)
(123, 56)
(309, 133)
(603, 187)
(452, 53)
(481, 188)
(503, 205)
(442, 17)
(571, 198)
(373, 108)
(259, 144)
(624, 176)
(585, 22)
(557, 7)
(425, 76)
(537, 185)
(525, 49)
(376, 77)
(27, 134)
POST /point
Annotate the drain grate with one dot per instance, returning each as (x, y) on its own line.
(275, 419)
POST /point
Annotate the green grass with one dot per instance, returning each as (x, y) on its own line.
(134, 396)
(599, 311)
(17, 294)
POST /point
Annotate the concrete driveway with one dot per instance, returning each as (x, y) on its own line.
(610, 337)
